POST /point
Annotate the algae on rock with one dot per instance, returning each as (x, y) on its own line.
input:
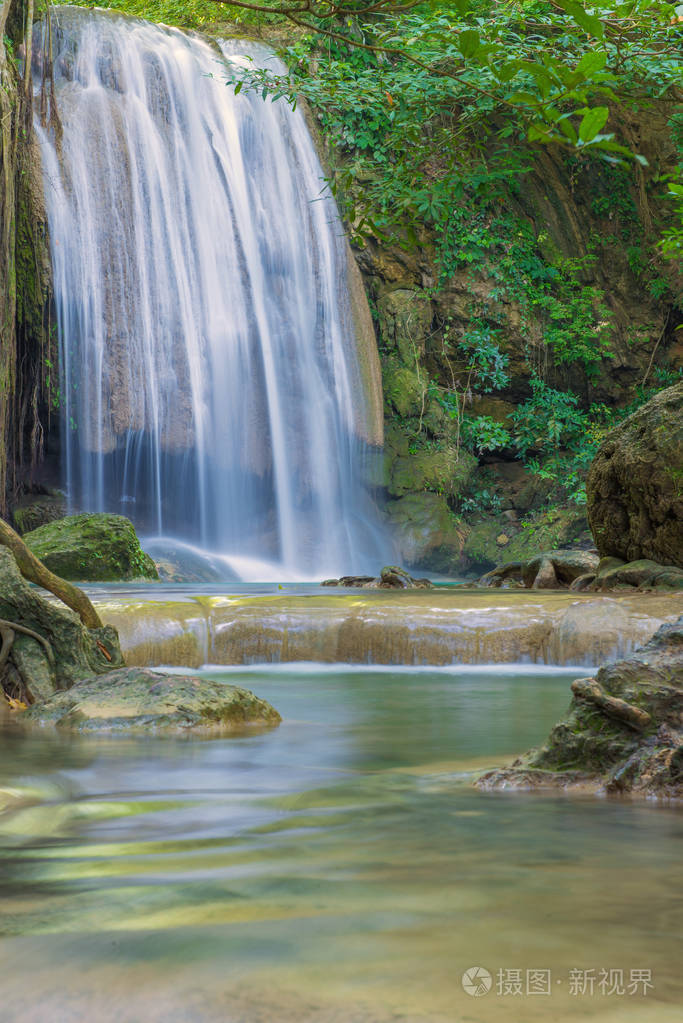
(92, 547)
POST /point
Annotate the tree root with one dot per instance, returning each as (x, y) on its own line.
(8, 631)
(591, 691)
(36, 572)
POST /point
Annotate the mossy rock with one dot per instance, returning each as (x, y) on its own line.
(427, 533)
(623, 729)
(635, 484)
(496, 540)
(35, 511)
(446, 472)
(404, 390)
(92, 548)
(404, 319)
(137, 699)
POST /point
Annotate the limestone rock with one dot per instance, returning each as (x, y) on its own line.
(643, 574)
(405, 318)
(391, 577)
(547, 570)
(635, 501)
(567, 565)
(92, 548)
(426, 532)
(77, 652)
(134, 699)
(624, 731)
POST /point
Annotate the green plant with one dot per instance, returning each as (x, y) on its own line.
(482, 433)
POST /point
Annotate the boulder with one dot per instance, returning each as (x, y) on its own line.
(643, 575)
(45, 646)
(624, 731)
(134, 699)
(391, 577)
(426, 532)
(545, 571)
(92, 548)
(635, 501)
(567, 566)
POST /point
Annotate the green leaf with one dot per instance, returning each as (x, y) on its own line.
(591, 62)
(468, 42)
(593, 122)
(588, 22)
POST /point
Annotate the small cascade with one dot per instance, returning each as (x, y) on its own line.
(216, 386)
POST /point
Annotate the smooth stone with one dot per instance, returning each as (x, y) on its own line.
(134, 699)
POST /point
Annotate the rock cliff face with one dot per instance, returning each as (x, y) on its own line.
(635, 484)
(589, 230)
(28, 358)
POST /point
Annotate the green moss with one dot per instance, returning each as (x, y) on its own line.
(93, 548)
(496, 541)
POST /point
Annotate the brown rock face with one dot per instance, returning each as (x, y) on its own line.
(635, 488)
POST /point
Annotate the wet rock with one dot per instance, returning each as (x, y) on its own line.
(426, 532)
(642, 574)
(92, 548)
(635, 505)
(31, 669)
(548, 570)
(391, 577)
(134, 699)
(624, 732)
(582, 582)
(545, 578)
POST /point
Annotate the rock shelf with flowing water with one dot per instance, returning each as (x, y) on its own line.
(420, 628)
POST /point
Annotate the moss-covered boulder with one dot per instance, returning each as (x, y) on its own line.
(624, 730)
(612, 574)
(134, 699)
(45, 647)
(92, 548)
(635, 484)
(427, 534)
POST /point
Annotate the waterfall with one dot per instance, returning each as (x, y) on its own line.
(213, 387)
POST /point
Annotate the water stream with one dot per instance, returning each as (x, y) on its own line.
(214, 384)
(337, 870)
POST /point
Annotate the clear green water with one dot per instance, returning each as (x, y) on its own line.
(340, 869)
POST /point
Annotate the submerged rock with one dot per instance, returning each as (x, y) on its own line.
(624, 731)
(635, 505)
(133, 699)
(45, 646)
(92, 548)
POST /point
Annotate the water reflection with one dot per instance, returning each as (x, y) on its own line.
(339, 869)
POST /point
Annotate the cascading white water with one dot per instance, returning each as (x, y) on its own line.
(211, 386)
